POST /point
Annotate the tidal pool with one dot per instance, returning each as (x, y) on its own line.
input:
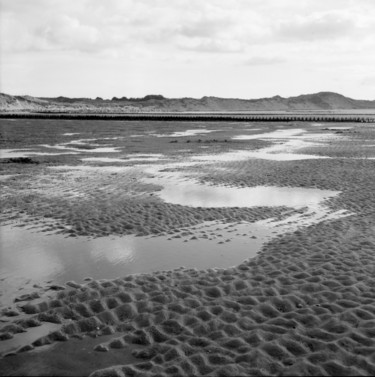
(30, 257)
(287, 143)
(89, 168)
(130, 157)
(281, 152)
(103, 159)
(278, 134)
(82, 150)
(188, 192)
(17, 153)
(185, 133)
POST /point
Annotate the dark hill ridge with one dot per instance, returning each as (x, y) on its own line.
(155, 103)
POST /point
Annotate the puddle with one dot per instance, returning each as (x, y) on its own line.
(4, 177)
(82, 150)
(103, 159)
(143, 159)
(114, 169)
(146, 155)
(125, 159)
(278, 134)
(80, 141)
(132, 157)
(185, 133)
(277, 152)
(71, 133)
(17, 153)
(287, 134)
(315, 136)
(311, 216)
(344, 128)
(287, 143)
(246, 155)
(27, 337)
(187, 192)
(40, 257)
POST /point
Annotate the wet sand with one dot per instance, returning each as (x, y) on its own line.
(305, 305)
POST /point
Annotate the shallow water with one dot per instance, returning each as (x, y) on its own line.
(28, 256)
(280, 151)
(103, 159)
(185, 133)
(109, 168)
(4, 177)
(278, 134)
(82, 150)
(187, 192)
(271, 153)
(124, 159)
(287, 142)
(17, 153)
(27, 337)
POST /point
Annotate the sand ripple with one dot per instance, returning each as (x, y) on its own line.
(305, 306)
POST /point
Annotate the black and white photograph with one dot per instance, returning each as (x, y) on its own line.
(187, 188)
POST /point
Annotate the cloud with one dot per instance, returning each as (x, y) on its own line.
(261, 60)
(135, 39)
(91, 26)
(368, 81)
(203, 28)
(211, 45)
(315, 27)
(69, 33)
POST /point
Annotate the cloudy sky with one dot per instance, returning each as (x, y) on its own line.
(192, 48)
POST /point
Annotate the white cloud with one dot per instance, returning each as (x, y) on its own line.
(135, 39)
(210, 45)
(316, 27)
(263, 60)
(319, 28)
(69, 33)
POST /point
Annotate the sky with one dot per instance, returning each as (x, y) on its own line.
(187, 48)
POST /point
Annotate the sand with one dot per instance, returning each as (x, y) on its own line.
(304, 306)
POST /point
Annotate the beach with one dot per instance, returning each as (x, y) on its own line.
(298, 300)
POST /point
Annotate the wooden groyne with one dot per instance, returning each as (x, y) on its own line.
(197, 117)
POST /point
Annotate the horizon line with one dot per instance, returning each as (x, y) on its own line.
(161, 96)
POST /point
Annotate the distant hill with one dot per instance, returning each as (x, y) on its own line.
(156, 103)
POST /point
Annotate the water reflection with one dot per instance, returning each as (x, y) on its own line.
(109, 168)
(103, 159)
(28, 337)
(82, 150)
(26, 254)
(17, 153)
(278, 134)
(185, 133)
(288, 142)
(177, 189)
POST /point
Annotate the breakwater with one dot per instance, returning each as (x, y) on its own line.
(201, 117)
